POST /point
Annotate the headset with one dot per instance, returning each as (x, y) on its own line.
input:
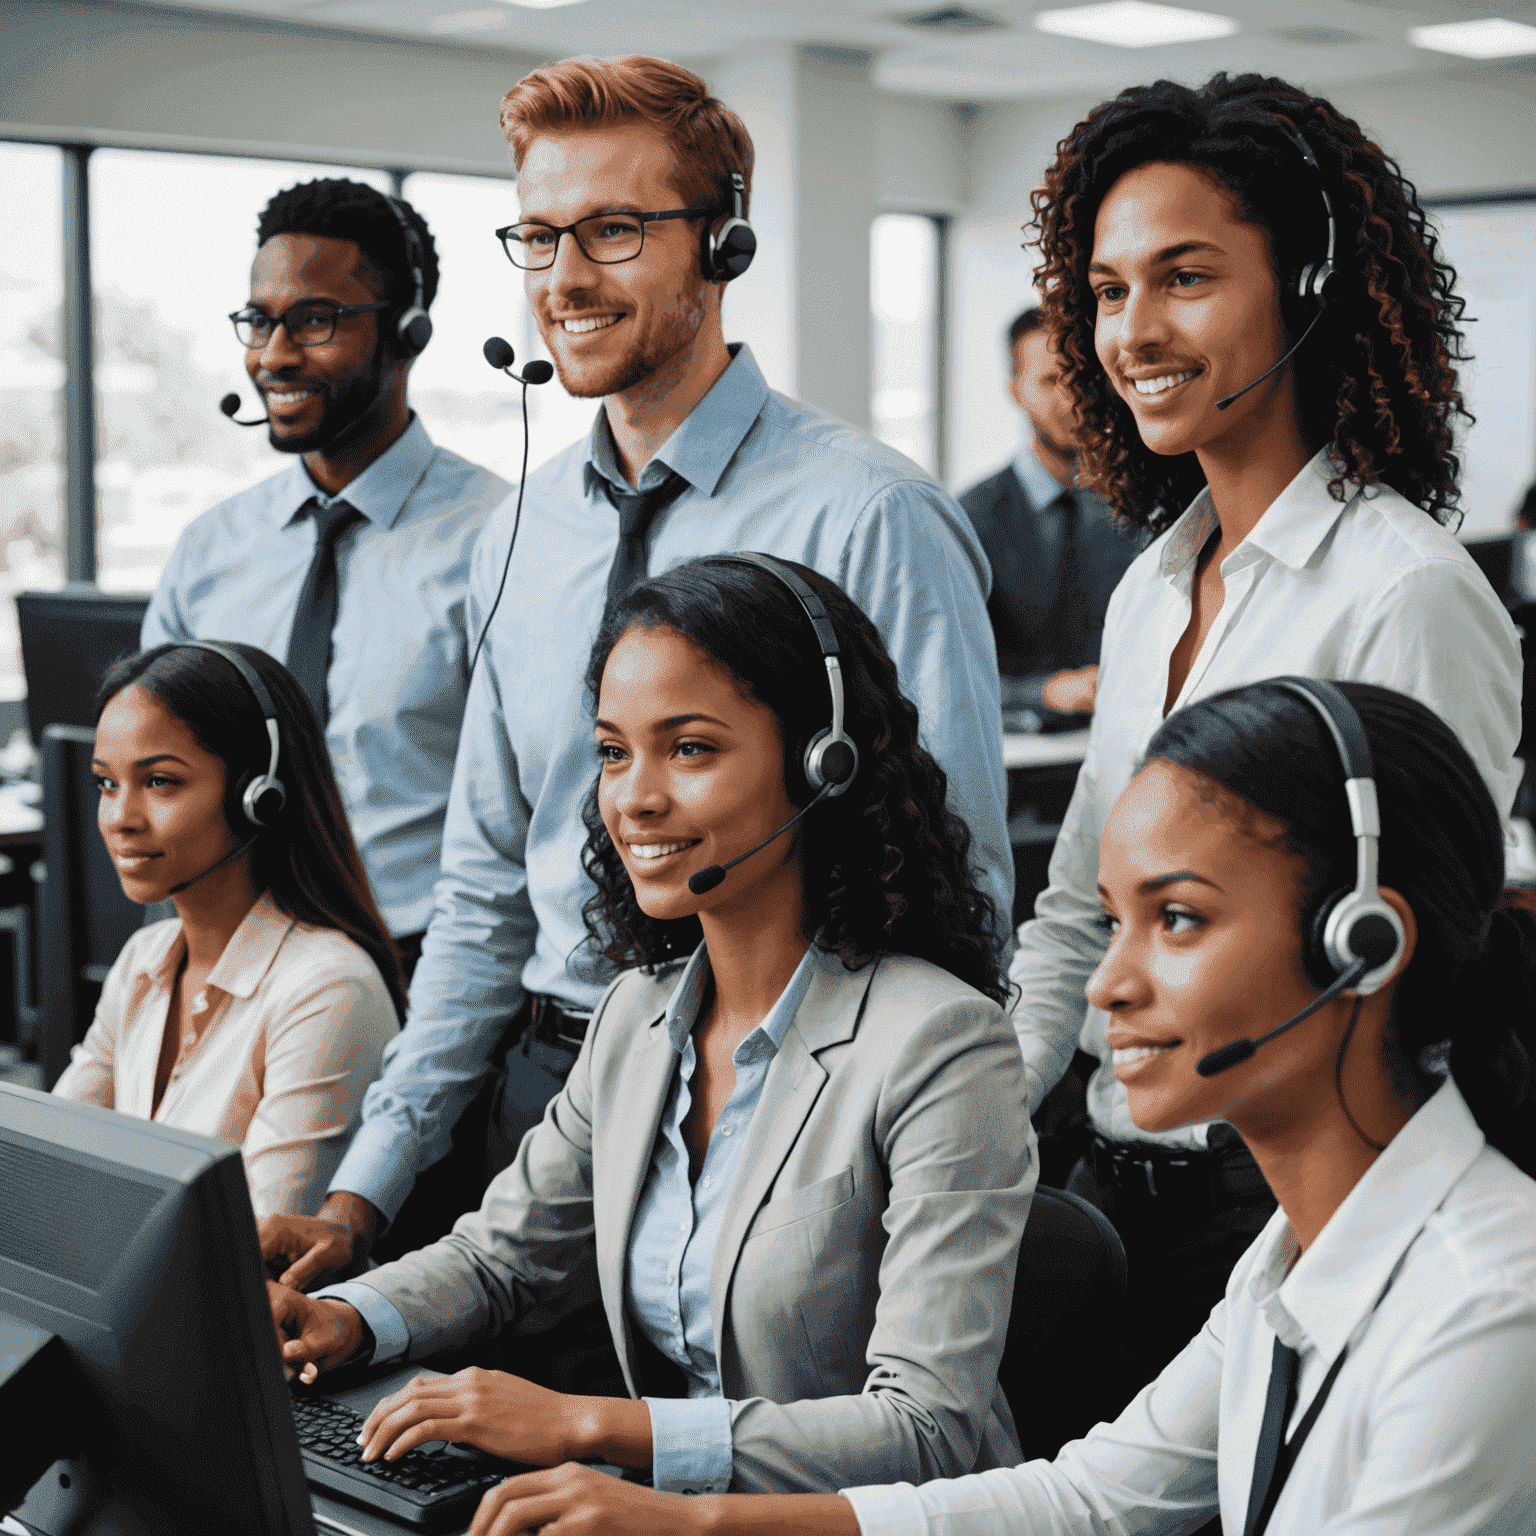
(728, 253)
(830, 761)
(1355, 939)
(261, 797)
(413, 330)
(1316, 281)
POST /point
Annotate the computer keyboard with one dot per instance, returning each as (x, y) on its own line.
(431, 1489)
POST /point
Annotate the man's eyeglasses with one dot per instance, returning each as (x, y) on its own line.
(606, 238)
(308, 325)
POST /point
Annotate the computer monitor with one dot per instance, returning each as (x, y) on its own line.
(68, 640)
(136, 1343)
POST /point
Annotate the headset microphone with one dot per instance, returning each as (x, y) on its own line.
(231, 403)
(1354, 939)
(229, 858)
(499, 354)
(1314, 281)
(711, 875)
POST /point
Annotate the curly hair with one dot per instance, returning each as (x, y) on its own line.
(337, 209)
(1376, 383)
(884, 866)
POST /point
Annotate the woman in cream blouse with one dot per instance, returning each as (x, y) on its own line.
(260, 1013)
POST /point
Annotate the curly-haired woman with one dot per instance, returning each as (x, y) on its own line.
(794, 1140)
(1300, 510)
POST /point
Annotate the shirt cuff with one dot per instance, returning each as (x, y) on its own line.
(691, 1445)
(374, 1169)
(887, 1511)
(391, 1337)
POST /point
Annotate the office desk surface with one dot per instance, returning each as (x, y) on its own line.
(1053, 751)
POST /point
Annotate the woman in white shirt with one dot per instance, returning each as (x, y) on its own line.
(1300, 530)
(1397, 1126)
(260, 1013)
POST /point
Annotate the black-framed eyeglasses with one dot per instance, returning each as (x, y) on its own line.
(606, 238)
(308, 324)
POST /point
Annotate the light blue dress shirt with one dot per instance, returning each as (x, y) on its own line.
(672, 1240)
(398, 677)
(763, 472)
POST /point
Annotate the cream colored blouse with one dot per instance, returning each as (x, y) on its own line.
(286, 1037)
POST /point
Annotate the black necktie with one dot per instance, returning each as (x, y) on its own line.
(309, 641)
(637, 511)
(1067, 621)
(1285, 1366)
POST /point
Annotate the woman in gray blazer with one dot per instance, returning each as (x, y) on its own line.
(794, 1142)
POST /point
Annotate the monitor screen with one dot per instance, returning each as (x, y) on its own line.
(128, 1250)
(68, 640)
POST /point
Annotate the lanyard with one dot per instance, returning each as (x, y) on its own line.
(1275, 1455)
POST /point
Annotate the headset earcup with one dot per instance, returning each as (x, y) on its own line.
(260, 799)
(734, 248)
(413, 331)
(1314, 953)
(829, 761)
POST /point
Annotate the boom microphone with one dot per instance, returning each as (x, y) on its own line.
(499, 354)
(1221, 405)
(711, 875)
(229, 858)
(1240, 1050)
(231, 403)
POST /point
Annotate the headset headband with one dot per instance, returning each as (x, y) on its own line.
(269, 781)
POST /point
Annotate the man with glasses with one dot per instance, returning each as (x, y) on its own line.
(633, 186)
(352, 563)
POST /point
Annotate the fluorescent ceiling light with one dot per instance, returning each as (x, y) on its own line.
(1491, 39)
(1135, 24)
(470, 21)
(540, 5)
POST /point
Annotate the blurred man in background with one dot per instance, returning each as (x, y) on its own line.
(1056, 552)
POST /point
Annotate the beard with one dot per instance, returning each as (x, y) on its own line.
(343, 403)
(672, 333)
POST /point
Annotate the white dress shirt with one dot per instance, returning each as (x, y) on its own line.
(1371, 591)
(284, 1038)
(1427, 1272)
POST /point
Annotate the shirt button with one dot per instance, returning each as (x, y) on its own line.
(709, 1182)
(200, 1002)
(682, 1226)
(725, 1130)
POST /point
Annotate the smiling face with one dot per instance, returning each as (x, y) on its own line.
(161, 812)
(1188, 311)
(1201, 898)
(611, 327)
(692, 775)
(316, 393)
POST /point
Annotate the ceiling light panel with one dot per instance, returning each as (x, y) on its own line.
(540, 5)
(1135, 24)
(1494, 38)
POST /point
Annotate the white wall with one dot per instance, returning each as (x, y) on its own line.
(1450, 135)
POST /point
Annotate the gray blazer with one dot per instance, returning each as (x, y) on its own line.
(863, 1275)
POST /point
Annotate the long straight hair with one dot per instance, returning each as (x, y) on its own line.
(307, 858)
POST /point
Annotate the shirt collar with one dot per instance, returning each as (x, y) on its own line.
(1040, 485)
(704, 443)
(682, 1015)
(1337, 1282)
(246, 959)
(379, 493)
(1290, 531)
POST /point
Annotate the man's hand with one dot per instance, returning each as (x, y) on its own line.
(508, 1417)
(1071, 693)
(320, 1249)
(313, 1336)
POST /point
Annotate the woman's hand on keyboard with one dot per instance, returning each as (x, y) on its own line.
(313, 1335)
(508, 1417)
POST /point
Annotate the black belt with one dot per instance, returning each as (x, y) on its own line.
(1150, 1176)
(548, 1020)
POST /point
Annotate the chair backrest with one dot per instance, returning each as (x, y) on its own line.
(84, 918)
(1062, 1353)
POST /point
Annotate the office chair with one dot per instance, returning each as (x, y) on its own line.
(1060, 1356)
(84, 917)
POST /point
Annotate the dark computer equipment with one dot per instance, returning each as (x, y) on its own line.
(136, 1345)
(68, 640)
(83, 917)
(1495, 559)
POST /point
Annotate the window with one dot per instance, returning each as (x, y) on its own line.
(172, 237)
(31, 382)
(905, 297)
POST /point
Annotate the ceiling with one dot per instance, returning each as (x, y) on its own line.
(1313, 42)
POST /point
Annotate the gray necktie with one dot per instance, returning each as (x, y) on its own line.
(309, 641)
